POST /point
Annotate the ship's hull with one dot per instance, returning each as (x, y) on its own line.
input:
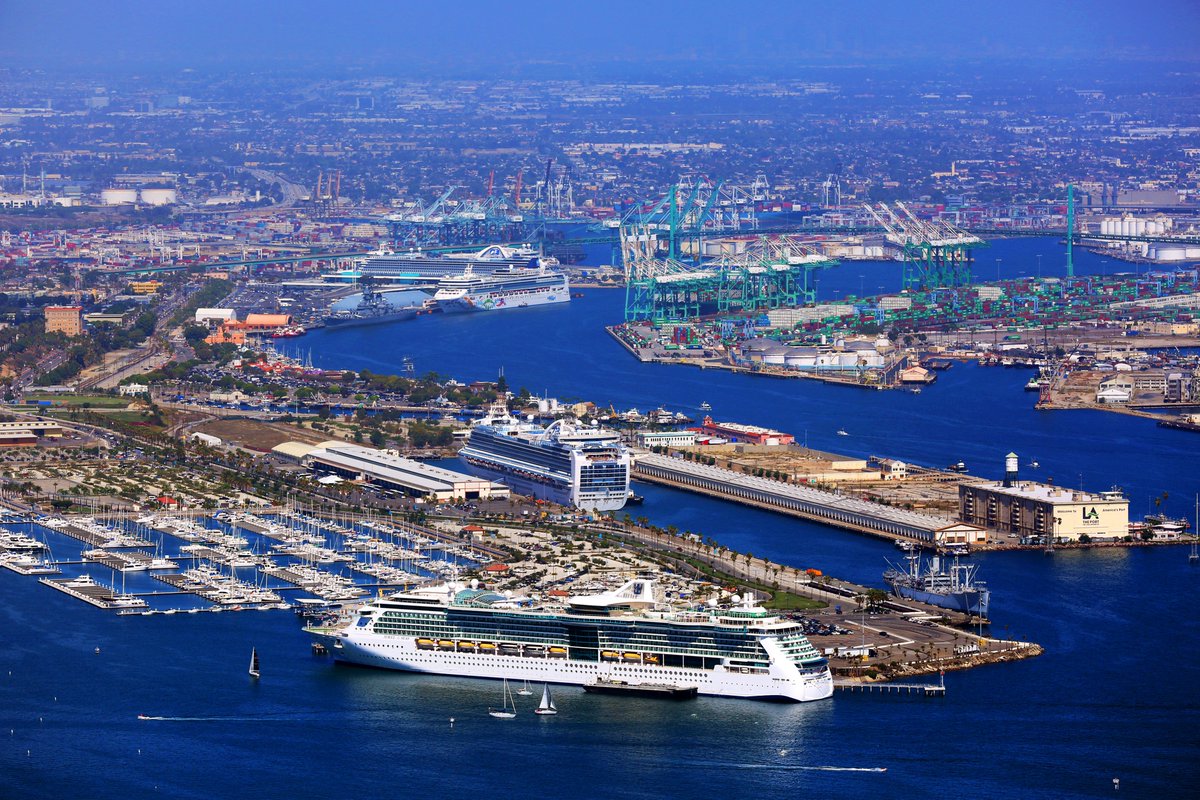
(542, 489)
(378, 319)
(401, 653)
(501, 300)
(970, 601)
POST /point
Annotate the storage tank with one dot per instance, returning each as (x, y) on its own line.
(159, 197)
(1170, 253)
(118, 197)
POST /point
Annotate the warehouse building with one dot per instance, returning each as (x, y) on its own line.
(666, 438)
(389, 470)
(1036, 512)
(38, 427)
(737, 432)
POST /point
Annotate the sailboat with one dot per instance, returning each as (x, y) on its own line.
(525, 691)
(254, 663)
(1194, 556)
(509, 708)
(546, 707)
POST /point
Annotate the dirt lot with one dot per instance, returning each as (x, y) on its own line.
(261, 436)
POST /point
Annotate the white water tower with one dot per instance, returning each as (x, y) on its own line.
(1010, 469)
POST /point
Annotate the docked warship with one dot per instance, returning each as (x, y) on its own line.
(371, 310)
(946, 585)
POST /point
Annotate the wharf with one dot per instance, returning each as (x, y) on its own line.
(287, 576)
(94, 594)
(83, 535)
(676, 357)
(255, 526)
(185, 584)
(125, 562)
(927, 689)
(1179, 424)
(25, 569)
(839, 510)
(98, 540)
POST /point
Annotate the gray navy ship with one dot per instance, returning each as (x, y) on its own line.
(371, 310)
(951, 586)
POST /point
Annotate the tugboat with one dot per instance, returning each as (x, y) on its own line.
(951, 586)
(372, 309)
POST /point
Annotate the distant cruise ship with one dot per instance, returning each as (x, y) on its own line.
(509, 287)
(567, 464)
(624, 638)
(417, 266)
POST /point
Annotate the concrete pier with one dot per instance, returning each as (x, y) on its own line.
(827, 507)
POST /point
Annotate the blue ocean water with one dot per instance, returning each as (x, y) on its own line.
(1115, 695)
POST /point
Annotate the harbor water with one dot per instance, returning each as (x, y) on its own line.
(1114, 697)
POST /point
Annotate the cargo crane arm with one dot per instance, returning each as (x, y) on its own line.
(893, 231)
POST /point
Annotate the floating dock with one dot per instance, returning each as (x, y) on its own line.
(92, 593)
(39, 568)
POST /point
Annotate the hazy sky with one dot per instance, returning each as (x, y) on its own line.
(511, 33)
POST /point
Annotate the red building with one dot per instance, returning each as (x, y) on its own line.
(750, 434)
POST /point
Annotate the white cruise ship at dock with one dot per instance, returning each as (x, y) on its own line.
(505, 288)
(572, 465)
(626, 636)
(420, 266)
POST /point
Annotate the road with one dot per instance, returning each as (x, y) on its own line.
(292, 192)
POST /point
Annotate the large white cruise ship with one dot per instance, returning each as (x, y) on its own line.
(508, 287)
(573, 465)
(625, 638)
(417, 265)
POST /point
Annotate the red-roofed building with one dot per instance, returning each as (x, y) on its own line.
(752, 434)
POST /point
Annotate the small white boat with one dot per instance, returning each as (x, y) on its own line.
(509, 708)
(546, 707)
(254, 673)
(842, 432)
(705, 407)
(525, 691)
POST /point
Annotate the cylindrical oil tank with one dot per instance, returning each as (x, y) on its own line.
(118, 197)
(159, 197)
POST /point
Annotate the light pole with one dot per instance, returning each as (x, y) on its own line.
(1039, 265)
